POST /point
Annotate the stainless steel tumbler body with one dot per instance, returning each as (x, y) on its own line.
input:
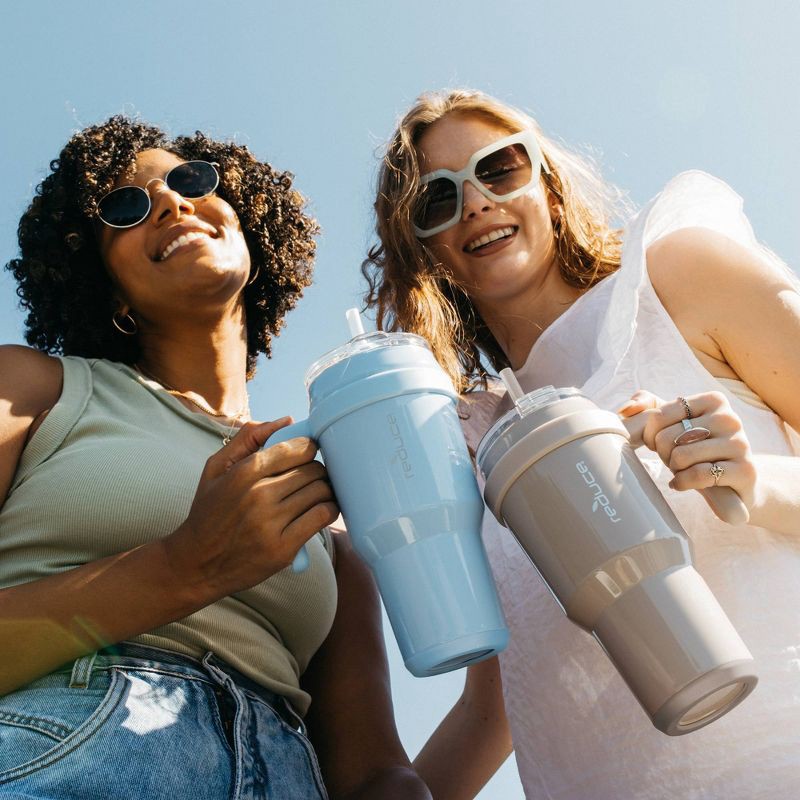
(561, 474)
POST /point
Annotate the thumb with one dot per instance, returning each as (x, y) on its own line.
(251, 438)
(640, 401)
(635, 426)
(636, 413)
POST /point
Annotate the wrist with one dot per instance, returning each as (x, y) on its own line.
(181, 571)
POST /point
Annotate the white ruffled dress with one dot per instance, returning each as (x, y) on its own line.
(579, 734)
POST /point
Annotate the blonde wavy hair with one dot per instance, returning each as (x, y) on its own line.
(413, 291)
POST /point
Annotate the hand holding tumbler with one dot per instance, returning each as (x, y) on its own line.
(561, 474)
(383, 413)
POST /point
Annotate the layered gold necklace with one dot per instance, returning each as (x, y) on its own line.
(235, 420)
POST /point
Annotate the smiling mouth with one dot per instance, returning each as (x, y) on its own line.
(490, 238)
(183, 239)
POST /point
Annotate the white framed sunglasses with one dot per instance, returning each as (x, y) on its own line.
(500, 171)
(130, 205)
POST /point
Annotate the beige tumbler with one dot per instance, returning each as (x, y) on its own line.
(561, 474)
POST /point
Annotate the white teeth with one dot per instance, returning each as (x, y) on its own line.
(181, 240)
(500, 233)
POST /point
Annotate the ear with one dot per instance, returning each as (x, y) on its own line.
(122, 308)
(554, 205)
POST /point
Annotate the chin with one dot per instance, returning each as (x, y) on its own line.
(212, 276)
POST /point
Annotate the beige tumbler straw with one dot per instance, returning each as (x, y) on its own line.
(561, 474)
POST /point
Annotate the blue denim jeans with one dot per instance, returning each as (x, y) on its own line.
(139, 723)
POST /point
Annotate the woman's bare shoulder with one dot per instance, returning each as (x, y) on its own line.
(737, 307)
(689, 259)
(30, 385)
(30, 381)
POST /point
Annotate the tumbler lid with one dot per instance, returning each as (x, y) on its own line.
(524, 405)
(363, 343)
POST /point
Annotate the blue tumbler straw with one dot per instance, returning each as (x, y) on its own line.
(383, 413)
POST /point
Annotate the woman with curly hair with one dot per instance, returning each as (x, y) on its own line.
(153, 640)
(499, 246)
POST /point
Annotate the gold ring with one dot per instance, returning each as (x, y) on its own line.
(716, 472)
(686, 407)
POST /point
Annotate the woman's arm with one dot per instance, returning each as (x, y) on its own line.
(30, 385)
(472, 741)
(351, 719)
(223, 546)
(740, 314)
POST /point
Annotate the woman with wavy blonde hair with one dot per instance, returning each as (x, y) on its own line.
(412, 289)
(504, 249)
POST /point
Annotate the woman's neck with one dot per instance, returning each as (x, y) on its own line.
(517, 322)
(208, 361)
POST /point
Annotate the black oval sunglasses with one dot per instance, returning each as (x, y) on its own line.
(130, 205)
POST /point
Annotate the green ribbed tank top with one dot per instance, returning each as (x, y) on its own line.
(115, 464)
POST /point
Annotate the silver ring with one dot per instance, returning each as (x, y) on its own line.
(716, 472)
(686, 407)
(691, 433)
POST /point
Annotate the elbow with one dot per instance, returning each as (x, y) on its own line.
(391, 783)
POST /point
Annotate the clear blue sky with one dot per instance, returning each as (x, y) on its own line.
(315, 87)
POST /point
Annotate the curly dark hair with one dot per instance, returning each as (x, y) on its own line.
(63, 283)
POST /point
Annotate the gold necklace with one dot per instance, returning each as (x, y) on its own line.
(241, 414)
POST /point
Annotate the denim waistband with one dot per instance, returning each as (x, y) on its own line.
(143, 656)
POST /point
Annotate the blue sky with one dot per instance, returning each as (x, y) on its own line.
(315, 87)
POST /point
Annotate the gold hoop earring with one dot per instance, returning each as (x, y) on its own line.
(254, 276)
(120, 328)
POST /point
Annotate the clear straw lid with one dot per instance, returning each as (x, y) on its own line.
(524, 405)
(360, 342)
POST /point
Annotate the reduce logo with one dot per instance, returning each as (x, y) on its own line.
(400, 453)
(600, 498)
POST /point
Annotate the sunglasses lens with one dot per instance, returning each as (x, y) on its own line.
(124, 207)
(436, 204)
(505, 170)
(193, 179)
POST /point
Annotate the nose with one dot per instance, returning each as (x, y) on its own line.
(474, 201)
(166, 202)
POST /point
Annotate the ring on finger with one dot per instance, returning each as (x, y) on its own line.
(691, 433)
(686, 407)
(717, 471)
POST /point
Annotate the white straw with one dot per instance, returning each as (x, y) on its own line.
(354, 322)
(512, 384)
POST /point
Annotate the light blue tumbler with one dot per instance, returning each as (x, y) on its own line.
(383, 414)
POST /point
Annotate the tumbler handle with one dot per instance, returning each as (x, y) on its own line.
(296, 429)
(723, 500)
